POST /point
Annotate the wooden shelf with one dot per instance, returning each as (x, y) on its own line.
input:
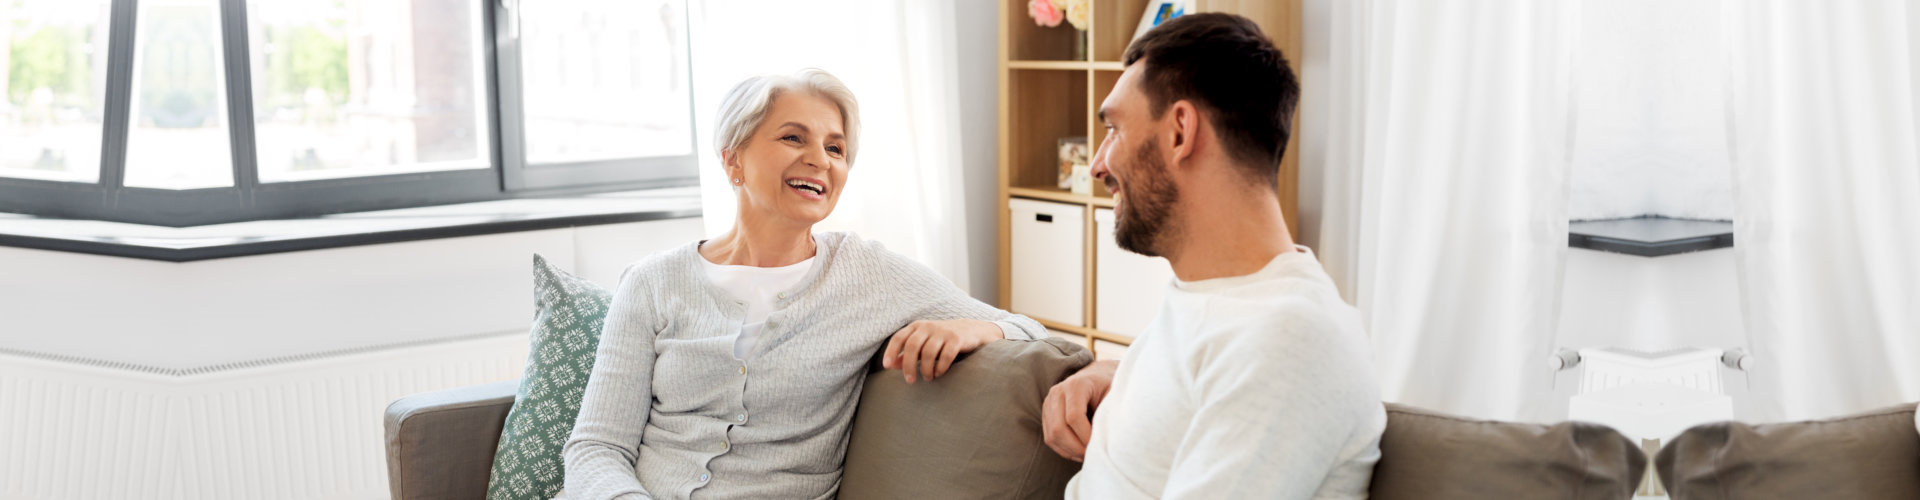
(1069, 65)
(1055, 65)
(1051, 194)
(1089, 334)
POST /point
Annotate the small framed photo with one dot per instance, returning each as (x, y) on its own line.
(1160, 11)
(1073, 151)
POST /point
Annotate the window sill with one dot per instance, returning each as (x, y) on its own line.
(343, 230)
(1650, 236)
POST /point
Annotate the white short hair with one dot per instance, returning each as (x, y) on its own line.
(746, 106)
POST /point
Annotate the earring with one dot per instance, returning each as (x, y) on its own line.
(737, 181)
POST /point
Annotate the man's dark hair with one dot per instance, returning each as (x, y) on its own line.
(1226, 67)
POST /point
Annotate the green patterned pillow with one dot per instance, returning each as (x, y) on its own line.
(566, 333)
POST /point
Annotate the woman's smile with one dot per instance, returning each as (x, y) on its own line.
(809, 188)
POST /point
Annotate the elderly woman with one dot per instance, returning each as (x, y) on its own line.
(731, 367)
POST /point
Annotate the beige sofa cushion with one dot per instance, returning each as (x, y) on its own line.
(1870, 455)
(1425, 455)
(972, 433)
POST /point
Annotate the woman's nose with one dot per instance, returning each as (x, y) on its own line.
(817, 158)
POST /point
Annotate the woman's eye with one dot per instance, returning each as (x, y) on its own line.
(833, 149)
(791, 138)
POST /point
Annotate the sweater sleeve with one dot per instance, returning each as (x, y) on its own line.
(1276, 408)
(600, 455)
(933, 297)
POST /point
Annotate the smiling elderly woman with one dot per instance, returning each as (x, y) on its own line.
(732, 366)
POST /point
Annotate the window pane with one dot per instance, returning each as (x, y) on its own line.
(53, 85)
(178, 138)
(347, 88)
(605, 79)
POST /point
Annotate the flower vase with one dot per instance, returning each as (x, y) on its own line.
(1080, 45)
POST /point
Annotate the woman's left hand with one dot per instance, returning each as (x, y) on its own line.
(929, 347)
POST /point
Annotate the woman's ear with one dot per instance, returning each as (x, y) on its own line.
(730, 162)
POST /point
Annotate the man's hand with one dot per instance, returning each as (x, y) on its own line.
(928, 348)
(1067, 416)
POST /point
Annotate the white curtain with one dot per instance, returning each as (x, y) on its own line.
(1443, 193)
(1826, 155)
(900, 59)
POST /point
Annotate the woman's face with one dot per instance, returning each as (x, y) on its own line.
(793, 166)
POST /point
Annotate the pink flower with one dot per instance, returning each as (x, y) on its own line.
(1044, 13)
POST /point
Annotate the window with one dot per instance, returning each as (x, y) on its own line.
(53, 69)
(190, 112)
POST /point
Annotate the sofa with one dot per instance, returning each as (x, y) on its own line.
(975, 433)
(1869, 455)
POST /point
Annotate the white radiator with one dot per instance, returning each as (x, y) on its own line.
(309, 427)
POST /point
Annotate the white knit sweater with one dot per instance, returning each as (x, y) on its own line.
(669, 413)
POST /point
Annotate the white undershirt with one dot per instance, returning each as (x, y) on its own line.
(761, 287)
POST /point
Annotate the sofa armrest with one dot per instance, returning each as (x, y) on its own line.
(440, 444)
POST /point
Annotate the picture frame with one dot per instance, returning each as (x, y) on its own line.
(1072, 152)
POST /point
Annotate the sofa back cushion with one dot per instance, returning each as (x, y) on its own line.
(972, 433)
(1427, 455)
(1869, 455)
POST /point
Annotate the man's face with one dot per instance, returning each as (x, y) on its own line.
(1132, 164)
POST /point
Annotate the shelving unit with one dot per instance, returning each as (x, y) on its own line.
(1047, 94)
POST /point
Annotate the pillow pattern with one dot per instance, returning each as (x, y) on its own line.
(569, 313)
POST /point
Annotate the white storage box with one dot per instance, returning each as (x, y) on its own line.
(1048, 260)
(1128, 286)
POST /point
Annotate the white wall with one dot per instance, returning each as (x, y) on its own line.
(185, 315)
(1310, 66)
(978, 28)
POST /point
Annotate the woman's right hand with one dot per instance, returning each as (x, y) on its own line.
(928, 347)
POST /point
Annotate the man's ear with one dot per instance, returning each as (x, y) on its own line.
(1186, 129)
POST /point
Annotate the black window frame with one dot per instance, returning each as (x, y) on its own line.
(508, 176)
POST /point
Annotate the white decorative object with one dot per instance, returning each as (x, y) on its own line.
(1082, 179)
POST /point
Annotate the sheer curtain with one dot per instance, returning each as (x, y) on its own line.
(1443, 190)
(1826, 155)
(900, 59)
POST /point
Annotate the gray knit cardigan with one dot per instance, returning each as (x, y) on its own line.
(668, 412)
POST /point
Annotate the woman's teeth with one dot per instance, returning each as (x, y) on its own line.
(816, 188)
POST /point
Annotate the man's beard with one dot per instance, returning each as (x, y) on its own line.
(1146, 204)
